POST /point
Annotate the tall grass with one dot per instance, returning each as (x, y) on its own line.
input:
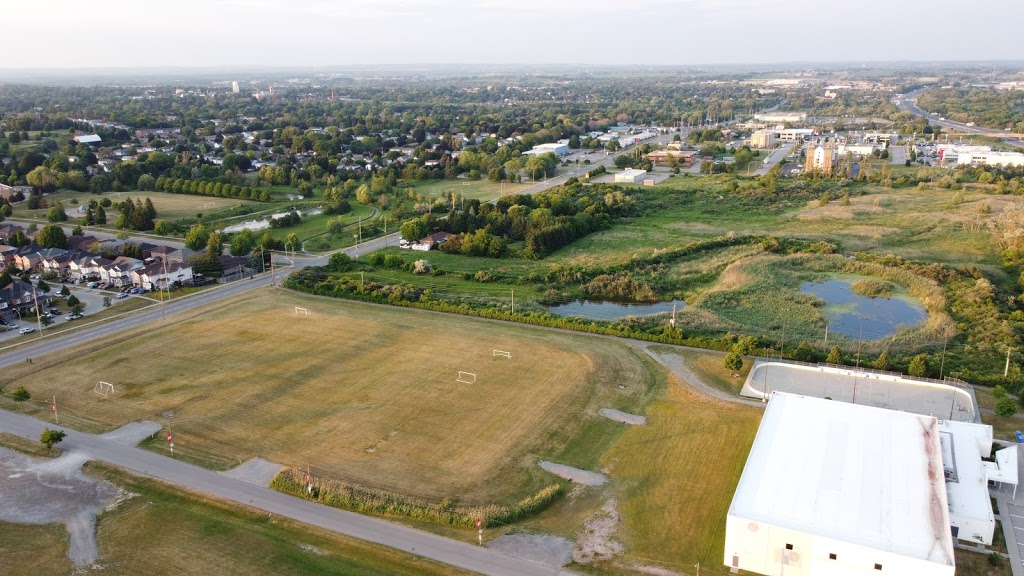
(383, 503)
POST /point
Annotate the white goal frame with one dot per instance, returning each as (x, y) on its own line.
(210, 205)
(466, 377)
(300, 310)
(103, 388)
(501, 353)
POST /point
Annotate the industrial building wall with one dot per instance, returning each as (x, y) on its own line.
(762, 549)
(977, 530)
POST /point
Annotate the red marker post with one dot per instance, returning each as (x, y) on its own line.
(480, 531)
(170, 440)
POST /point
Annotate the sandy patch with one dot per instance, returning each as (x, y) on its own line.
(37, 491)
(256, 471)
(585, 477)
(595, 544)
(624, 417)
(541, 548)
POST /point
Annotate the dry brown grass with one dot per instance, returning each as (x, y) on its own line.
(364, 394)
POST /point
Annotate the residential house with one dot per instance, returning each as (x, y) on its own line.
(59, 263)
(17, 297)
(119, 272)
(158, 275)
(235, 267)
(7, 254)
(33, 258)
(8, 230)
(167, 253)
(81, 243)
(87, 268)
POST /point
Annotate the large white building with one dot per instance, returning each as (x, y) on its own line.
(781, 117)
(839, 489)
(630, 176)
(962, 155)
(560, 148)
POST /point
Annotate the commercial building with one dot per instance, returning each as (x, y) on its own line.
(630, 176)
(866, 149)
(234, 87)
(664, 157)
(560, 148)
(781, 117)
(977, 155)
(837, 488)
(821, 157)
(762, 139)
(795, 134)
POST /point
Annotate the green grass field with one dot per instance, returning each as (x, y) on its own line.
(363, 394)
(164, 530)
(168, 206)
(482, 190)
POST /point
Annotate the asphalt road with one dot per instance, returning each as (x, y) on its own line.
(459, 554)
(909, 103)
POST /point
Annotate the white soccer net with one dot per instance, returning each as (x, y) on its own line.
(466, 377)
(501, 353)
(103, 388)
(301, 311)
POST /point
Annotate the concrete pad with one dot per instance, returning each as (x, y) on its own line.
(585, 477)
(541, 548)
(133, 433)
(624, 417)
(256, 471)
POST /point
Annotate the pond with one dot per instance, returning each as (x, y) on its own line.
(254, 225)
(852, 315)
(611, 310)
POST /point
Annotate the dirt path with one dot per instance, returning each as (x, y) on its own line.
(677, 366)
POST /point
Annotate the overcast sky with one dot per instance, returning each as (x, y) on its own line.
(201, 33)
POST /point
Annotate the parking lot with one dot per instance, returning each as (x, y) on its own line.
(91, 299)
(1017, 522)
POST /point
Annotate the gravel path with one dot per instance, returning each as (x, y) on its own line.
(585, 477)
(256, 471)
(677, 366)
(35, 491)
(595, 544)
(133, 433)
(624, 417)
(541, 548)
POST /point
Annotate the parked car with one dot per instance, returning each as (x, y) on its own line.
(122, 296)
(92, 284)
(54, 312)
(27, 330)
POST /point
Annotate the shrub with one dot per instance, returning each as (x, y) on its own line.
(835, 356)
(734, 360)
(420, 267)
(918, 366)
(20, 394)
(382, 503)
(1006, 407)
(872, 288)
(51, 437)
(999, 392)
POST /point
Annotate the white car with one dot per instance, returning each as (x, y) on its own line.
(122, 296)
(28, 330)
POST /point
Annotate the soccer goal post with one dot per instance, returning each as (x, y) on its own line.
(103, 388)
(210, 205)
(466, 377)
(301, 311)
(501, 353)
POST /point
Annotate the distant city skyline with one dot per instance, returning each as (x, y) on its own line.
(61, 34)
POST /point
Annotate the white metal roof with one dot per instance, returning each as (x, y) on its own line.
(868, 476)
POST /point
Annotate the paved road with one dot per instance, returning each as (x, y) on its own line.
(909, 103)
(777, 155)
(467, 556)
(103, 235)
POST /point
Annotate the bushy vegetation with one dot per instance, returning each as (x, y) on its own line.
(872, 288)
(383, 503)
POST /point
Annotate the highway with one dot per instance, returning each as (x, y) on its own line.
(371, 529)
(909, 103)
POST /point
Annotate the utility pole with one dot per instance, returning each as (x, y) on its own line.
(513, 301)
(826, 337)
(39, 320)
(54, 407)
(360, 282)
(273, 280)
(942, 363)
(1006, 371)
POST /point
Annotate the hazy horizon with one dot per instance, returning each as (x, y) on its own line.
(266, 34)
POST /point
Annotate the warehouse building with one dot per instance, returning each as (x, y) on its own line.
(762, 139)
(630, 176)
(560, 148)
(837, 488)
